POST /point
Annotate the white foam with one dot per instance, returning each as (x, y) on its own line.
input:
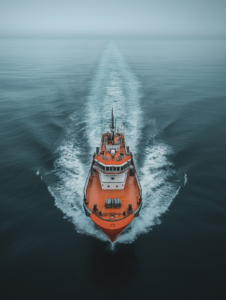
(37, 173)
(68, 191)
(114, 85)
(158, 191)
(185, 179)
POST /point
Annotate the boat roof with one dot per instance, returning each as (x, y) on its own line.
(115, 142)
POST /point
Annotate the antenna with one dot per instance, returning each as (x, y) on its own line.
(112, 126)
(112, 119)
(124, 126)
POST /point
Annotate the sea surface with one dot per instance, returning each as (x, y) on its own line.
(169, 97)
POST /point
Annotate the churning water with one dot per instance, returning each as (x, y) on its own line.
(56, 99)
(114, 85)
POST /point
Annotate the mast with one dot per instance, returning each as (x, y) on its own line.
(112, 119)
(112, 126)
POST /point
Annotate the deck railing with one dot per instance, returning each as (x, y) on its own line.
(112, 171)
(87, 181)
(138, 182)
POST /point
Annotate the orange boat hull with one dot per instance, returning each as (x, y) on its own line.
(112, 192)
(114, 228)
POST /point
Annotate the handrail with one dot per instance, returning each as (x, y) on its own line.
(138, 183)
(110, 214)
(118, 158)
(111, 172)
(87, 180)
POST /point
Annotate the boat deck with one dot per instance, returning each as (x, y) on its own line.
(95, 195)
(120, 155)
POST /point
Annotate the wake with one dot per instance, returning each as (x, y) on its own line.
(116, 86)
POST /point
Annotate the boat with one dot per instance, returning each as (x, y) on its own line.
(112, 192)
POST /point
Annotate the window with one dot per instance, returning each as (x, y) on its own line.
(110, 168)
(107, 168)
(114, 168)
(118, 168)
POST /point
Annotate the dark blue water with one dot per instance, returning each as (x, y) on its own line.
(55, 100)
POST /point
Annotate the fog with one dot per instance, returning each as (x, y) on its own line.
(111, 19)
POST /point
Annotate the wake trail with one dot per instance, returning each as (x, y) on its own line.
(185, 179)
(114, 85)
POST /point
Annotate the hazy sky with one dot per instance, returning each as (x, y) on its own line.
(115, 18)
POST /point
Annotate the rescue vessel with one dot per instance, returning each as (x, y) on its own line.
(112, 192)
